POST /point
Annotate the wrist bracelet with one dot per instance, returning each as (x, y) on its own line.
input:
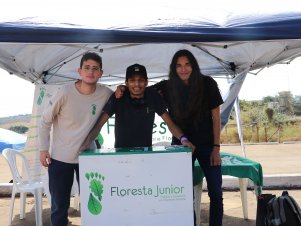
(216, 145)
(182, 139)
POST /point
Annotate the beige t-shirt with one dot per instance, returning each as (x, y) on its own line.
(71, 115)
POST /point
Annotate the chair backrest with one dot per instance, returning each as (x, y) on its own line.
(20, 176)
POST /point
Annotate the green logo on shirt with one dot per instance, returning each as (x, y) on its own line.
(96, 189)
(41, 96)
(93, 109)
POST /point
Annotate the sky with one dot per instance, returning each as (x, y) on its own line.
(271, 81)
(16, 95)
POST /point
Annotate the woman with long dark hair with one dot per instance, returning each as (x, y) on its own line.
(194, 103)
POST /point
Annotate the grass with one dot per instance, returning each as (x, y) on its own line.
(288, 132)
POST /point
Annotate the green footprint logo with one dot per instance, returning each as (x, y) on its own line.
(96, 188)
(93, 109)
(41, 96)
(100, 139)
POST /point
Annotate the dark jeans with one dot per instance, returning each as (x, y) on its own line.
(61, 176)
(213, 176)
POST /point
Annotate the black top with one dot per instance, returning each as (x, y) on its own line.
(202, 134)
(134, 118)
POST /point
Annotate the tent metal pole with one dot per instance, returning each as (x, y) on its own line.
(239, 125)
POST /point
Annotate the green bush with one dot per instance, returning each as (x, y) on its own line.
(289, 130)
(19, 129)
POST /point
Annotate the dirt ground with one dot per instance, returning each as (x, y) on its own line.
(275, 159)
(233, 215)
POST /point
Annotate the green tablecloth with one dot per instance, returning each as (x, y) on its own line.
(236, 166)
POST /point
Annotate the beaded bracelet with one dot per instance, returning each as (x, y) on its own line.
(182, 139)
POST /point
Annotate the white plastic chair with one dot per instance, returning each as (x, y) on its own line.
(22, 183)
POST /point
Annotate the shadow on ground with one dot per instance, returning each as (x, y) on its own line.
(227, 220)
(74, 218)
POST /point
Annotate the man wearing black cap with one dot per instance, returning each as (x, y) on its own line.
(135, 113)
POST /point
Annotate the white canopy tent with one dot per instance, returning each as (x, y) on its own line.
(46, 49)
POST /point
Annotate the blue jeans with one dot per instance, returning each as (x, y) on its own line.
(61, 176)
(213, 175)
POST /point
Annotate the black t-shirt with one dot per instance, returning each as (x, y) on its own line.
(134, 118)
(202, 134)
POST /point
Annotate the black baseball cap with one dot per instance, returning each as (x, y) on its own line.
(135, 69)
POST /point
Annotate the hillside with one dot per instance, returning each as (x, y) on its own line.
(17, 120)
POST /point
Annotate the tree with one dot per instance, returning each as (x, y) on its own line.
(286, 102)
(297, 105)
(270, 113)
(244, 105)
(257, 118)
(268, 99)
(19, 129)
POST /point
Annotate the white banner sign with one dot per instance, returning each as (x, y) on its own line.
(129, 189)
(42, 95)
(161, 134)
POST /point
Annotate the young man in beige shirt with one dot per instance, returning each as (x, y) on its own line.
(70, 115)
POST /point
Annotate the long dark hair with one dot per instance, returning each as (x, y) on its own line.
(193, 109)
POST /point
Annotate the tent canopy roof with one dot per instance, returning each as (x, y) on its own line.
(170, 30)
(228, 38)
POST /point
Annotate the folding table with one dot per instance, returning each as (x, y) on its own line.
(236, 166)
